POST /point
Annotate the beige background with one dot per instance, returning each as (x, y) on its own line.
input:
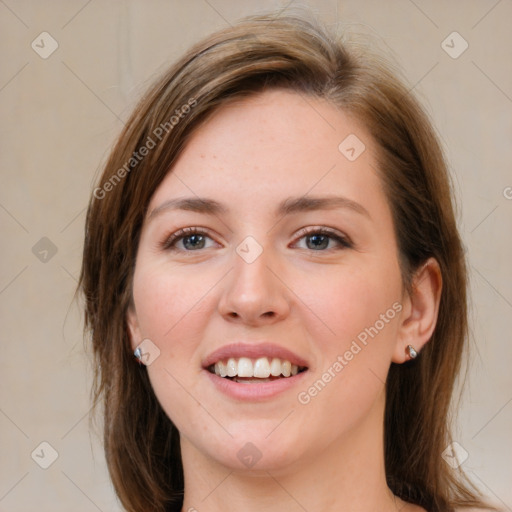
(60, 116)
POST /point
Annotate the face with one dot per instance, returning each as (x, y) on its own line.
(289, 264)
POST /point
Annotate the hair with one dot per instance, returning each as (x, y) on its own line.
(298, 54)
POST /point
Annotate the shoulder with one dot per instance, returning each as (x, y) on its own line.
(497, 509)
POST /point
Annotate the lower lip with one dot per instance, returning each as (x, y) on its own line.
(254, 391)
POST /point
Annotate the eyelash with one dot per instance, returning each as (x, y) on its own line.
(169, 244)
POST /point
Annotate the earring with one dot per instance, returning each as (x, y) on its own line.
(138, 355)
(411, 351)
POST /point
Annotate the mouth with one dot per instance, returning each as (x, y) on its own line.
(255, 370)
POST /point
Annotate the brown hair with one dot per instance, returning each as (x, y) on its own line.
(260, 52)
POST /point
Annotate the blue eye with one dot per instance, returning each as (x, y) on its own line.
(320, 238)
(194, 239)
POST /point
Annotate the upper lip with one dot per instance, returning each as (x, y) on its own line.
(253, 351)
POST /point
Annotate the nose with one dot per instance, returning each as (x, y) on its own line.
(254, 293)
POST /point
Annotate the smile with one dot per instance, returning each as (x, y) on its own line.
(248, 370)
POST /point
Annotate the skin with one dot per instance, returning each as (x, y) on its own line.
(327, 454)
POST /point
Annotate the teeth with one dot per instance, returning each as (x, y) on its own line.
(220, 369)
(259, 368)
(245, 367)
(275, 367)
(232, 367)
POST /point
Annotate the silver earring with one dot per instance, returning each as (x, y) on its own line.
(411, 351)
(138, 355)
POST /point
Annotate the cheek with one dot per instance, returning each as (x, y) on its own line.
(168, 304)
(356, 338)
(351, 304)
(166, 299)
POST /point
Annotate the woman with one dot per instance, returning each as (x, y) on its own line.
(273, 239)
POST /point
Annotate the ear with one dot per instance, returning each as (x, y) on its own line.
(420, 309)
(133, 327)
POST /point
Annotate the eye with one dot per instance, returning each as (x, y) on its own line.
(192, 239)
(318, 239)
(195, 238)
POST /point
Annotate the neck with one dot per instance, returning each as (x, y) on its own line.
(347, 476)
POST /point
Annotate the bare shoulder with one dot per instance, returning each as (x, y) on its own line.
(410, 507)
(420, 509)
(479, 509)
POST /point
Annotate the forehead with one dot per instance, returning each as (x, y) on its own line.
(274, 145)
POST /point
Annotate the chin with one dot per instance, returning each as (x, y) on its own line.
(254, 451)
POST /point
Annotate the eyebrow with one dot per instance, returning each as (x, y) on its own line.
(287, 207)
